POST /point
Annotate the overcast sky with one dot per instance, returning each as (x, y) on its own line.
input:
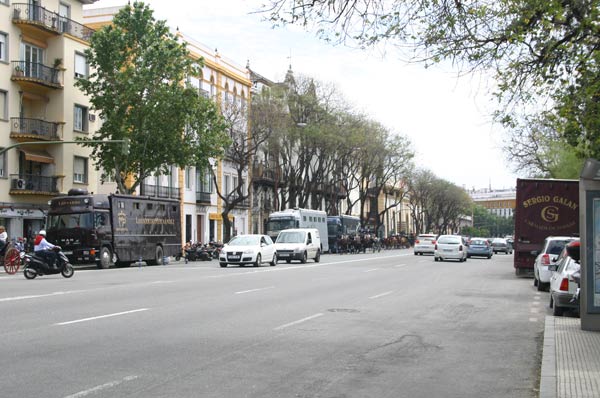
(445, 117)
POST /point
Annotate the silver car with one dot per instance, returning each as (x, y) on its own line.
(450, 247)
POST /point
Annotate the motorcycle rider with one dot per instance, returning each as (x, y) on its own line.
(44, 250)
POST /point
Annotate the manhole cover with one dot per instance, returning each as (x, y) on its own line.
(351, 310)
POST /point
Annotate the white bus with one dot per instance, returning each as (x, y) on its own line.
(298, 218)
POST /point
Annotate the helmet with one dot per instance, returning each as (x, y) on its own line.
(42, 232)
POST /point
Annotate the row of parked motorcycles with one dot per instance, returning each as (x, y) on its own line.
(200, 252)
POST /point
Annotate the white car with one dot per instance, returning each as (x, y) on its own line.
(248, 249)
(450, 247)
(562, 284)
(299, 244)
(424, 243)
(553, 246)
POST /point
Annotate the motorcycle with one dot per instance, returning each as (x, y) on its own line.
(36, 265)
(196, 252)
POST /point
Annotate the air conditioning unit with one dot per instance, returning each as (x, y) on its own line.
(20, 184)
(92, 117)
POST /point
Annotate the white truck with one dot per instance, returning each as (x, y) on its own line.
(298, 218)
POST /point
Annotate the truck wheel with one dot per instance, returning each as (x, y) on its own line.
(158, 256)
(105, 258)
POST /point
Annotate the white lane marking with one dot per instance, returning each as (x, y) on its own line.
(101, 387)
(254, 290)
(372, 269)
(17, 298)
(160, 282)
(381, 295)
(399, 265)
(534, 310)
(308, 318)
(101, 317)
(532, 319)
(535, 303)
(537, 298)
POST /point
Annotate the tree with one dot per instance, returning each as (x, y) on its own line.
(137, 84)
(540, 52)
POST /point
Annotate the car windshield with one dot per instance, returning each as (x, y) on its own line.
(291, 237)
(449, 240)
(556, 246)
(478, 242)
(245, 241)
(75, 220)
(426, 238)
(498, 242)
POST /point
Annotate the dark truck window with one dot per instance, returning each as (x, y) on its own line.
(77, 220)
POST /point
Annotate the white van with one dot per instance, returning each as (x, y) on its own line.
(299, 244)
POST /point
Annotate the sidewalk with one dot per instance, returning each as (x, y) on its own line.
(570, 360)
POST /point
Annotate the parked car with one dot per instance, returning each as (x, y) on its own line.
(553, 246)
(299, 244)
(501, 245)
(563, 286)
(479, 247)
(425, 243)
(252, 249)
(450, 247)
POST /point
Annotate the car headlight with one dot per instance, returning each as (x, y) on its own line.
(249, 251)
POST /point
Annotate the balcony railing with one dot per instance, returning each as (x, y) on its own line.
(35, 183)
(203, 197)
(41, 129)
(158, 191)
(38, 15)
(37, 72)
(243, 203)
(261, 171)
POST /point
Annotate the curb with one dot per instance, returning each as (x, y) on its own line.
(548, 373)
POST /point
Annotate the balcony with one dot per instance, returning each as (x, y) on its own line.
(203, 197)
(263, 174)
(31, 184)
(40, 23)
(27, 129)
(158, 191)
(243, 204)
(34, 76)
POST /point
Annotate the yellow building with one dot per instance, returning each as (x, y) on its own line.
(500, 202)
(41, 56)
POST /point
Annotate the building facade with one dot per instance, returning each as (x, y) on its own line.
(42, 46)
(500, 202)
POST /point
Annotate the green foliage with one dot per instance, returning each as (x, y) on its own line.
(138, 69)
(544, 54)
(491, 224)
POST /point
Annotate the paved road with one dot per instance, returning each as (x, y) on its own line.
(368, 325)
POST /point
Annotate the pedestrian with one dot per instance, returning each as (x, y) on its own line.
(3, 239)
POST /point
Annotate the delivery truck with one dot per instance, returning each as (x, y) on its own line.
(544, 207)
(114, 229)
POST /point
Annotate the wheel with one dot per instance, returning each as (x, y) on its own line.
(288, 261)
(68, 271)
(557, 311)
(29, 274)
(105, 258)
(535, 282)
(158, 256)
(12, 261)
(258, 260)
(304, 257)
(223, 265)
(440, 259)
(468, 256)
(490, 256)
(416, 254)
(274, 260)
(435, 259)
(318, 256)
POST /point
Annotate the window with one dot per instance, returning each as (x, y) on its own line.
(188, 177)
(3, 47)
(3, 105)
(64, 11)
(80, 115)
(80, 170)
(3, 165)
(81, 66)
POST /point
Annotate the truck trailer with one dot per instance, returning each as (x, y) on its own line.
(114, 229)
(544, 207)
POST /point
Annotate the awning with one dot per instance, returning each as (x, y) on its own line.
(39, 156)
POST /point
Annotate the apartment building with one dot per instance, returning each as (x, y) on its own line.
(500, 202)
(42, 44)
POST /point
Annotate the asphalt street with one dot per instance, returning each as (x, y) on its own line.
(388, 324)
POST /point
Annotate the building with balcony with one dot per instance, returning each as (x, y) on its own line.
(500, 202)
(42, 46)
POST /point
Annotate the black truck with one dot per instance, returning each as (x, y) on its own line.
(114, 229)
